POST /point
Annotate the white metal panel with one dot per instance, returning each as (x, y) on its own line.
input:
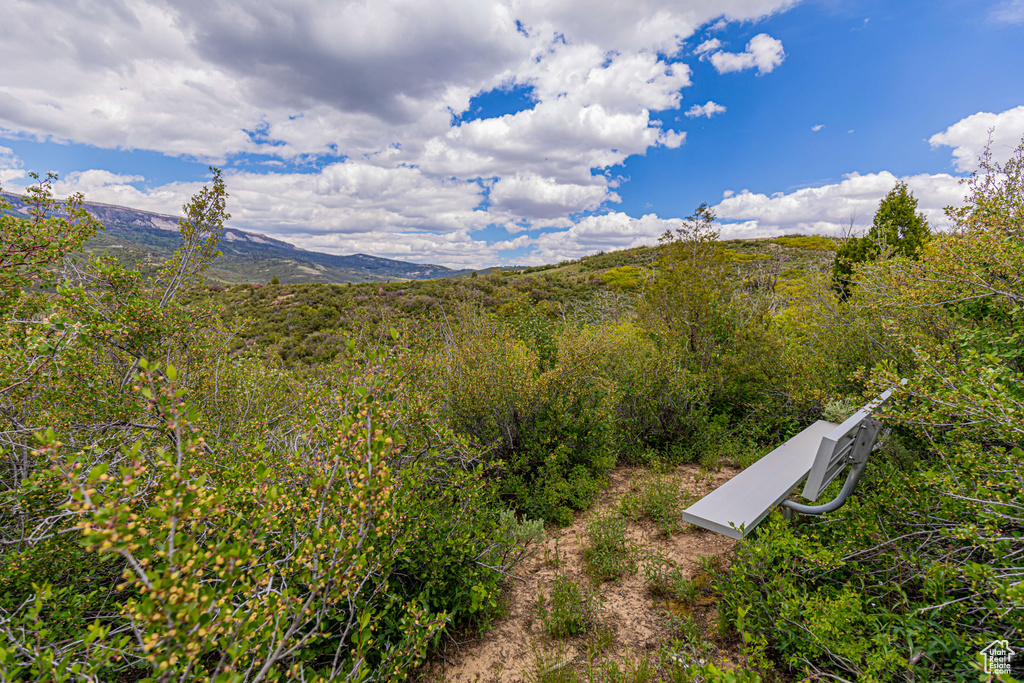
(747, 498)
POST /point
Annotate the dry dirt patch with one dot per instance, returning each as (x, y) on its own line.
(632, 619)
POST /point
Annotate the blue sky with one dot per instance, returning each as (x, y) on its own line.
(481, 132)
(892, 73)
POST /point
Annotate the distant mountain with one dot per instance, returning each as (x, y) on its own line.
(136, 236)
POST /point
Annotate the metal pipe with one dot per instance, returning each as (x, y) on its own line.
(837, 502)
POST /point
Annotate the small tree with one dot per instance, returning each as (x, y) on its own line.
(201, 229)
(897, 230)
(33, 247)
(689, 296)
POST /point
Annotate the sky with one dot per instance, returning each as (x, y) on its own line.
(471, 133)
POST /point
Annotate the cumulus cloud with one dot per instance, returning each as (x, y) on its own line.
(91, 180)
(763, 53)
(969, 136)
(379, 85)
(707, 47)
(817, 127)
(556, 139)
(641, 24)
(708, 109)
(828, 209)
(593, 112)
(351, 197)
(317, 76)
(354, 207)
(534, 197)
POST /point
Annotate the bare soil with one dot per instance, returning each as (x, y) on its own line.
(634, 621)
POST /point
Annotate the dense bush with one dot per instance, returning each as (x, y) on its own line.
(546, 425)
(216, 515)
(662, 401)
(924, 569)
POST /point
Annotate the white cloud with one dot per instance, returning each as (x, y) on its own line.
(10, 166)
(556, 139)
(376, 83)
(827, 210)
(707, 109)
(190, 78)
(763, 53)
(707, 46)
(817, 127)
(610, 231)
(1008, 12)
(350, 197)
(398, 213)
(532, 196)
(638, 25)
(89, 181)
(969, 136)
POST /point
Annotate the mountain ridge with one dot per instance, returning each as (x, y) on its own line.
(137, 236)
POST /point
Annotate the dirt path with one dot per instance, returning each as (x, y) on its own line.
(632, 624)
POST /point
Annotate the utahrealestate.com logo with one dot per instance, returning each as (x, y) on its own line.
(997, 657)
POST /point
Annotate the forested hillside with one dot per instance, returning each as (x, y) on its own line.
(305, 322)
(334, 482)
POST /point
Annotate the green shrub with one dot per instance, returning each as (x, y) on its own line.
(623, 278)
(607, 554)
(571, 610)
(547, 423)
(892, 580)
(807, 242)
(659, 497)
(665, 579)
(660, 574)
(217, 513)
(707, 672)
(523, 531)
(661, 402)
(189, 553)
(455, 545)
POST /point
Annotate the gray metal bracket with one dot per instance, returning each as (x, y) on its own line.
(864, 444)
(851, 483)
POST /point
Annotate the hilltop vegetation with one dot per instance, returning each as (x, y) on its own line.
(306, 323)
(329, 482)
